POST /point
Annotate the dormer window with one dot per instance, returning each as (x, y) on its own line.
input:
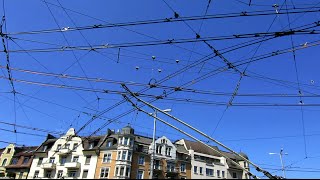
(109, 144)
(44, 148)
(9, 150)
(67, 146)
(91, 145)
(58, 147)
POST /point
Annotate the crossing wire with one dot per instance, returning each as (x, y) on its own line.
(298, 81)
(165, 20)
(3, 27)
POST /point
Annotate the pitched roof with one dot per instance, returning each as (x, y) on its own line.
(49, 143)
(181, 149)
(25, 150)
(96, 140)
(143, 139)
(201, 148)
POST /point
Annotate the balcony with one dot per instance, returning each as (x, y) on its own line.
(63, 151)
(48, 165)
(157, 167)
(72, 165)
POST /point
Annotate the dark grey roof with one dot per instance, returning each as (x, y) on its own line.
(142, 140)
(86, 141)
(201, 148)
(106, 139)
(49, 143)
(181, 149)
(244, 155)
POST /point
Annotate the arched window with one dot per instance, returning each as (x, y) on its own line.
(4, 162)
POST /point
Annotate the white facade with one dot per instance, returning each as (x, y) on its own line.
(208, 166)
(66, 159)
(203, 170)
(164, 149)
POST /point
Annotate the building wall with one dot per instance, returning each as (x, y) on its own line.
(101, 164)
(54, 153)
(6, 156)
(204, 166)
(135, 165)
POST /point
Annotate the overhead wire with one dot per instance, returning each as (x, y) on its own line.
(298, 81)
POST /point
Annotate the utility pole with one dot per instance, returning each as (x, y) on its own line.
(281, 160)
(153, 141)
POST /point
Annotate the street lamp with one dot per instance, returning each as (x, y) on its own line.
(282, 164)
(153, 139)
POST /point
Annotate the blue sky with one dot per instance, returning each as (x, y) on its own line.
(237, 124)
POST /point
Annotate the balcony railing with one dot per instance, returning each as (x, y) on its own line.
(157, 167)
(48, 165)
(63, 151)
(72, 165)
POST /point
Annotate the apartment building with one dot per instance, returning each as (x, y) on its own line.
(20, 163)
(207, 164)
(69, 156)
(125, 155)
(5, 159)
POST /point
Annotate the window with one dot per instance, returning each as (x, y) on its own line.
(67, 146)
(109, 144)
(75, 146)
(72, 173)
(168, 151)
(222, 172)
(141, 160)
(200, 169)
(121, 171)
(63, 160)
(183, 167)
(9, 150)
(88, 159)
(85, 174)
(104, 173)
(25, 160)
(127, 172)
(58, 147)
(170, 167)
(20, 175)
(245, 164)
(60, 174)
(140, 174)
(48, 174)
(195, 169)
(4, 162)
(14, 161)
(234, 175)
(75, 159)
(218, 173)
(209, 172)
(129, 156)
(158, 149)
(44, 148)
(107, 158)
(116, 172)
(51, 160)
(119, 155)
(131, 142)
(91, 145)
(40, 161)
(124, 154)
(125, 142)
(36, 174)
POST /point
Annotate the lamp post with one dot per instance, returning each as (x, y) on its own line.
(153, 140)
(282, 164)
